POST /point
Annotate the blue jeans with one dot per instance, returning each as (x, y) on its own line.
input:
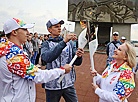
(33, 58)
(69, 94)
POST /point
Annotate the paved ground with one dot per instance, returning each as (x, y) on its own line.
(84, 90)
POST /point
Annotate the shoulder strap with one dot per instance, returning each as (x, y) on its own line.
(115, 45)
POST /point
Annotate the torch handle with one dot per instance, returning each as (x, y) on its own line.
(94, 81)
(93, 69)
(73, 60)
(71, 63)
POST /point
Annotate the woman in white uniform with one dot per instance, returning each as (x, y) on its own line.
(117, 81)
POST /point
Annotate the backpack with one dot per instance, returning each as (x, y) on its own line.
(107, 49)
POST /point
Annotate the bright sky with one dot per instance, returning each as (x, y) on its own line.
(39, 12)
(33, 11)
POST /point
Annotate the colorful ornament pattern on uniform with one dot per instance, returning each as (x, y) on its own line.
(18, 62)
(125, 84)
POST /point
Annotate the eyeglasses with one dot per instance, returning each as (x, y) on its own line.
(115, 35)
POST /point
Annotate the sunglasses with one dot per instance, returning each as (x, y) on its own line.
(115, 35)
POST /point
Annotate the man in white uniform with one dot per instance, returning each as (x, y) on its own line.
(17, 74)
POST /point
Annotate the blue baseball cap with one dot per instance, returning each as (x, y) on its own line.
(54, 21)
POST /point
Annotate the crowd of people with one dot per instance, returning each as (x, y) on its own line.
(33, 47)
(21, 51)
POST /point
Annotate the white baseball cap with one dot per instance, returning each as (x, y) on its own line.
(14, 23)
(54, 21)
(115, 33)
(123, 38)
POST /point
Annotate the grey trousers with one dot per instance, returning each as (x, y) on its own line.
(69, 94)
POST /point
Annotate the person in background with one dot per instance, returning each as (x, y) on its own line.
(17, 74)
(117, 83)
(46, 36)
(33, 43)
(35, 48)
(123, 39)
(111, 46)
(28, 47)
(2, 36)
(32, 36)
(56, 52)
(40, 40)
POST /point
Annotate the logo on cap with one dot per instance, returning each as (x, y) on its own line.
(13, 24)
